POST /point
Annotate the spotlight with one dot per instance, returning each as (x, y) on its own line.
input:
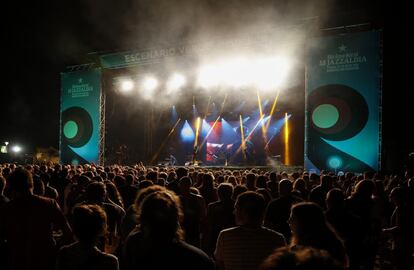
(127, 85)
(208, 76)
(269, 73)
(150, 83)
(175, 82)
(235, 72)
(16, 149)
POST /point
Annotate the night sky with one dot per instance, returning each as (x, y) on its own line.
(41, 38)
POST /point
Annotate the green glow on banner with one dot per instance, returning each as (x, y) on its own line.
(70, 129)
(325, 116)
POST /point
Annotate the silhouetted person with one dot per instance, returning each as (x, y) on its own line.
(207, 189)
(96, 194)
(158, 243)
(50, 192)
(251, 182)
(131, 218)
(401, 230)
(246, 246)
(273, 185)
(89, 224)
(174, 183)
(26, 223)
(318, 193)
(310, 229)
(300, 189)
(3, 198)
(128, 191)
(361, 204)
(220, 216)
(278, 210)
(194, 208)
(346, 224)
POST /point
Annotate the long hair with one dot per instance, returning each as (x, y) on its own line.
(310, 228)
(160, 216)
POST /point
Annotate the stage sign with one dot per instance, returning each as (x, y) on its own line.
(80, 117)
(342, 112)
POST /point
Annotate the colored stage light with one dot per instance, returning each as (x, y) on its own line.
(187, 133)
(228, 132)
(205, 127)
(127, 85)
(174, 114)
(176, 82)
(287, 151)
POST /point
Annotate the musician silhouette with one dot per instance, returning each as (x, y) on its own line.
(195, 152)
(172, 160)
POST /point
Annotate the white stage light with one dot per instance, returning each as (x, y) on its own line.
(175, 83)
(209, 76)
(269, 73)
(127, 85)
(16, 149)
(264, 73)
(235, 72)
(149, 84)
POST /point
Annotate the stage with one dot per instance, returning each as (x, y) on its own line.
(277, 168)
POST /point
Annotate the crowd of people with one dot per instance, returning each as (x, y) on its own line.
(68, 217)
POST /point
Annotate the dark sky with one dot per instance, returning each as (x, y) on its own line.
(41, 38)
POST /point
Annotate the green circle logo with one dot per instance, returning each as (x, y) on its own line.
(70, 129)
(325, 116)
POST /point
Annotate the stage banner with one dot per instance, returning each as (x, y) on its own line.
(80, 117)
(342, 131)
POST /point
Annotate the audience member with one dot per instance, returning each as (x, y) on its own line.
(246, 246)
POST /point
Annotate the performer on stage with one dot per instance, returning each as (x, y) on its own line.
(172, 160)
(195, 152)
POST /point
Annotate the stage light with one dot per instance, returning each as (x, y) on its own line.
(205, 127)
(16, 149)
(149, 84)
(229, 134)
(269, 73)
(287, 151)
(208, 76)
(235, 72)
(187, 134)
(175, 83)
(127, 85)
(174, 114)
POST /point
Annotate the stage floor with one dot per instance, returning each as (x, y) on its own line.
(277, 168)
